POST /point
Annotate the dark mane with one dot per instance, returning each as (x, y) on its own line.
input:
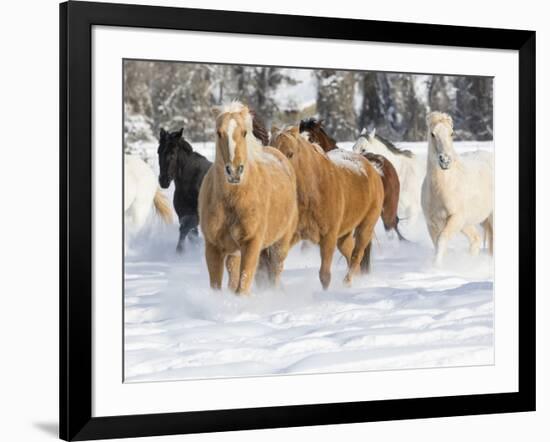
(258, 129)
(393, 148)
(318, 134)
(185, 146)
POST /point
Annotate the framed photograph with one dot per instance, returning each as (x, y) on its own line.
(273, 220)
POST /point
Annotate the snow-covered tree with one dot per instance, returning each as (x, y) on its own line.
(474, 108)
(335, 103)
(174, 95)
(390, 102)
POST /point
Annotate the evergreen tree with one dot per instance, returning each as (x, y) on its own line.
(174, 95)
(335, 103)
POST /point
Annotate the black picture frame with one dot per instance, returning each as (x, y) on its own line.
(75, 414)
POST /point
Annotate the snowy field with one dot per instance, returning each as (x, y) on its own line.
(405, 314)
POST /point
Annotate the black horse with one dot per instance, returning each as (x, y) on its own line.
(187, 168)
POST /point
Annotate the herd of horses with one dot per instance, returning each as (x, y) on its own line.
(266, 192)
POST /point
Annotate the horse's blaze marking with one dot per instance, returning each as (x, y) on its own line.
(230, 141)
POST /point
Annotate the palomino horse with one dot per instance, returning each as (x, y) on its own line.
(247, 203)
(409, 171)
(315, 133)
(457, 192)
(141, 194)
(179, 163)
(340, 198)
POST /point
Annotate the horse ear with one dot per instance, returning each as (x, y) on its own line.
(274, 129)
(371, 133)
(162, 133)
(179, 133)
(363, 132)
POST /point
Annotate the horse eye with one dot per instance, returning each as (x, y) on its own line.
(290, 154)
(219, 134)
(433, 135)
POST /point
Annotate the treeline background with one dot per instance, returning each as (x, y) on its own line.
(174, 95)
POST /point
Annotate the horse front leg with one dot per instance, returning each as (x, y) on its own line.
(233, 264)
(327, 246)
(250, 255)
(188, 224)
(194, 230)
(214, 262)
(452, 226)
(473, 236)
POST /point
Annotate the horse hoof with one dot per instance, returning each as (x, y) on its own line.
(347, 282)
(243, 293)
(325, 281)
(179, 250)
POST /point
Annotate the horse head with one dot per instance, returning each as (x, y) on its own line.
(233, 126)
(172, 145)
(365, 142)
(316, 133)
(290, 142)
(440, 139)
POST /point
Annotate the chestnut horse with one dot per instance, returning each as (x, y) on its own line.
(340, 198)
(315, 132)
(247, 203)
(391, 183)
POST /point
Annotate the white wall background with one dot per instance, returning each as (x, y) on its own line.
(29, 219)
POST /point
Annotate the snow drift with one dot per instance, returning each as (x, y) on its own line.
(406, 314)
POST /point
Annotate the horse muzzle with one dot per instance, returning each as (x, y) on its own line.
(233, 174)
(164, 182)
(233, 180)
(444, 161)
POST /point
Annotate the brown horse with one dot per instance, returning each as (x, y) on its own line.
(313, 129)
(247, 203)
(315, 132)
(391, 183)
(339, 200)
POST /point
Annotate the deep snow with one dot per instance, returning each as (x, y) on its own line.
(406, 314)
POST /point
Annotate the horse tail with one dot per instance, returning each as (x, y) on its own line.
(401, 237)
(488, 233)
(365, 262)
(162, 207)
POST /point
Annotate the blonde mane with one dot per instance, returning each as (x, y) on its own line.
(301, 138)
(232, 107)
(255, 148)
(436, 117)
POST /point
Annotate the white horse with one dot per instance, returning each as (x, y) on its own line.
(141, 194)
(407, 167)
(457, 193)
